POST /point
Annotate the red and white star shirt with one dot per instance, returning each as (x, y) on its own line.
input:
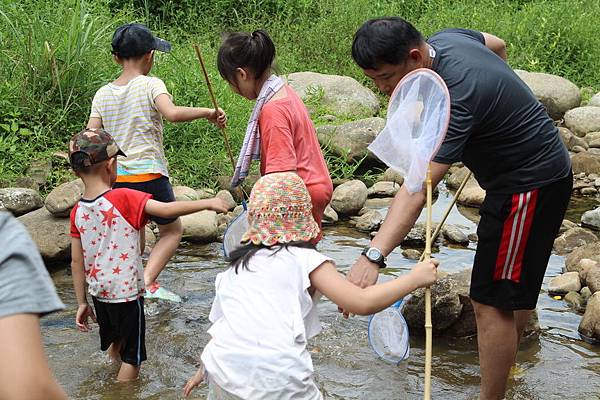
(109, 228)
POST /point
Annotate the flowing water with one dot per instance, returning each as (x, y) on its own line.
(558, 365)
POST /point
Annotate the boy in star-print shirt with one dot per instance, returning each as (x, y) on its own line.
(105, 248)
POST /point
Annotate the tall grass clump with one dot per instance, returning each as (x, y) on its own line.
(55, 55)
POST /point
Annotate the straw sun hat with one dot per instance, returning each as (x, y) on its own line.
(280, 211)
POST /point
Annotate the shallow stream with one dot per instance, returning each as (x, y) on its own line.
(557, 366)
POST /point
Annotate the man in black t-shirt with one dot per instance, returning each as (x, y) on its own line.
(504, 135)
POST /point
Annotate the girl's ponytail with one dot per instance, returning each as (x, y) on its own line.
(254, 51)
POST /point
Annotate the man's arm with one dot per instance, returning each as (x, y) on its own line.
(173, 113)
(400, 218)
(495, 44)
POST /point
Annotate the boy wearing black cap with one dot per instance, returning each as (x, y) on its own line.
(131, 108)
(105, 248)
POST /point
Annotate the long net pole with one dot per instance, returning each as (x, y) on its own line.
(428, 326)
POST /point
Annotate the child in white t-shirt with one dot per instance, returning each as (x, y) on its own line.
(263, 312)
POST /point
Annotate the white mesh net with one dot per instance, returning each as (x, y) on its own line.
(417, 121)
(234, 232)
(388, 335)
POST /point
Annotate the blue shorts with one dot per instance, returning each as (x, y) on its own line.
(159, 188)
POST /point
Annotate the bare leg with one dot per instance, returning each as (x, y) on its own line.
(128, 372)
(114, 351)
(521, 319)
(497, 340)
(170, 237)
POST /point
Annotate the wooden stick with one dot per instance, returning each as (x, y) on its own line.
(214, 100)
(441, 224)
(428, 326)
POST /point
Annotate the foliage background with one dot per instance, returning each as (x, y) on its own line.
(55, 55)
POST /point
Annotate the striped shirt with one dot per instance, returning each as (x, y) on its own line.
(129, 114)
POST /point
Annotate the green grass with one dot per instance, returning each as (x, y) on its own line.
(55, 55)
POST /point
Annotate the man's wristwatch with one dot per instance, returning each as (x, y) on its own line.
(374, 255)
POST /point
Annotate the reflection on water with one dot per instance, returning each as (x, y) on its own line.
(346, 368)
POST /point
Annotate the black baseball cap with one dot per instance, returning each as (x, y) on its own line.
(135, 40)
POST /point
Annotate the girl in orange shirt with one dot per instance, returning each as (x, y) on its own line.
(280, 132)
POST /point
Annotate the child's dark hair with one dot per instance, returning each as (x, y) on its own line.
(255, 51)
(384, 41)
(241, 257)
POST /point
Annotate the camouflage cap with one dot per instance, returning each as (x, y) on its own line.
(91, 146)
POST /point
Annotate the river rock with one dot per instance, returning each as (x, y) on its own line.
(592, 279)
(591, 218)
(585, 294)
(149, 237)
(379, 202)
(446, 305)
(63, 198)
(473, 237)
(556, 93)
(564, 283)
(184, 193)
(368, 222)
(472, 194)
(20, 201)
(571, 140)
(565, 226)
(349, 198)
(590, 250)
(383, 189)
(586, 162)
(592, 138)
(391, 175)
(595, 100)
(572, 239)
(238, 210)
(589, 327)
(456, 178)
(330, 216)
(574, 300)
(411, 254)
(51, 234)
(200, 227)
(227, 197)
(589, 191)
(342, 95)
(205, 193)
(454, 234)
(350, 140)
(585, 265)
(582, 120)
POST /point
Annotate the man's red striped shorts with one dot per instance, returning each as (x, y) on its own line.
(516, 234)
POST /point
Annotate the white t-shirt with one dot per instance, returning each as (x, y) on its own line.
(129, 114)
(262, 318)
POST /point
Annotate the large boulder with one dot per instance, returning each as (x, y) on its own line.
(454, 234)
(351, 140)
(572, 239)
(592, 279)
(184, 193)
(564, 283)
(586, 163)
(571, 140)
(227, 197)
(200, 227)
(582, 120)
(557, 94)
(589, 327)
(20, 201)
(50, 234)
(456, 178)
(341, 95)
(591, 218)
(590, 250)
(349, 198)
(64, 197)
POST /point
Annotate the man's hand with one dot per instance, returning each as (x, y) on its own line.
(218, 118)
(84, 311)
